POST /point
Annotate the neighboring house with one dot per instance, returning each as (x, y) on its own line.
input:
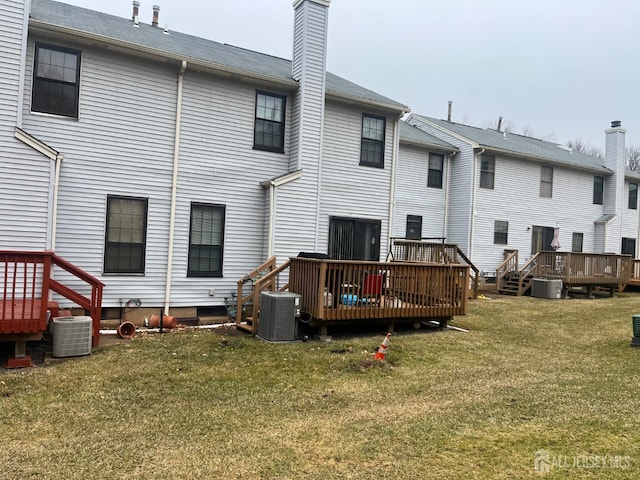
(169, 166)
(508, 192)
(422, 185)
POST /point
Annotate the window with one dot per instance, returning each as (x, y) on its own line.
(628, 247)
(372, 145)
(487, 171)
(598, 190)
(126, 235)
(206, 239)
(354, 239)
(436, 162)
(500, 232)
(269, 127)
(633, 196)
(546, 181)
(414, 227)
(576, 243)
(56, 80)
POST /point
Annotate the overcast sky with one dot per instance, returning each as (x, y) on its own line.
(560, 68)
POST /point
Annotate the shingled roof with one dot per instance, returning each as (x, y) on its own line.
(519, 145)
(82, 22)
(415, 136)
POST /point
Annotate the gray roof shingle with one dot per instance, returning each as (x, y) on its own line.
(190, 48)
(521, 145)
(409, 133)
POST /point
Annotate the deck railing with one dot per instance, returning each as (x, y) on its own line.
(634, 274)
(25, 282)
(427, 251)
(334, 290)
(584, 268)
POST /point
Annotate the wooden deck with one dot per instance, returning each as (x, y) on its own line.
(586, 270)
(358, 292)
(342, 291)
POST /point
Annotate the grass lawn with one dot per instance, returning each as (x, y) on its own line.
(553, 375)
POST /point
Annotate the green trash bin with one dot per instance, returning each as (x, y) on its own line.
(636, 325)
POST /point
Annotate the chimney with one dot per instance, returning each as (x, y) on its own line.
(134, 16)
(156, 11)
(449, 111)
(614, 160)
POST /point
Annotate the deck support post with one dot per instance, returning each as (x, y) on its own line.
(20, 358)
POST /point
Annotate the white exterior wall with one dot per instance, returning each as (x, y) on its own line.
(121, 144)
(25, 175)
(516, 199)
(461, 186)
(413, 197)
(349, 189)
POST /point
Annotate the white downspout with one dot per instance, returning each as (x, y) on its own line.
(474, 188)
(272, 219)
(447, 196)
(54, 209)
(174, 189)
(392, 190)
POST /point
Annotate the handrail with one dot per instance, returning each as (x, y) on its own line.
(509, 264)
(49, 259)
(475, 270)
(269, 281)
(529, 269)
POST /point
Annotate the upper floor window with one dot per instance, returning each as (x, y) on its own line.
(633, 196)
(269, 127)
(414, 227)
(56, 80)
(487, 171)
(500, 232)
(598, 190)
(436, 163)
(372, 142)
(126, 233)
(206, 239)
(546, 181)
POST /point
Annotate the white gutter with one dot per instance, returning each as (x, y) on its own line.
(392, 190)
(272, 185)
(174, 189)
(474, 188)
(447, 196)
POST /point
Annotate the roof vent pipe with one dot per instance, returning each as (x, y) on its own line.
(156, 12)
(616, 124)
(134, 16)
(449, 111)
(499, 123)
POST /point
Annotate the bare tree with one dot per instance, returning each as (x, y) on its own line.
(633, 158)
(579, 145)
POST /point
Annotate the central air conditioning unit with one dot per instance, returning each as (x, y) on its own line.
(279, 312)
(71, 336)
(546, 288)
